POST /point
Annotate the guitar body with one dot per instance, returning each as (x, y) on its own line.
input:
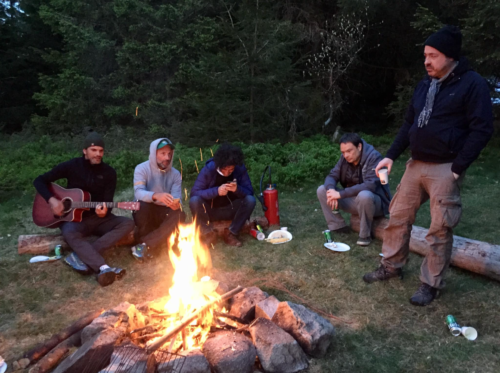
(42, 213)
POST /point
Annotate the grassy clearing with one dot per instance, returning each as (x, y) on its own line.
(384, 334)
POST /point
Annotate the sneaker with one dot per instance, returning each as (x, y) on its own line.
(106, 277)
(230, 238)
(424, 295)
(141, 252)
(343, 230)
(382, 274)
(75, 262)
(364, 241)
(120, 272)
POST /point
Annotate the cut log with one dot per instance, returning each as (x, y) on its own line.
(42, 349)
(475, 256)
(42, 244)
(53, 358)
(219, 226)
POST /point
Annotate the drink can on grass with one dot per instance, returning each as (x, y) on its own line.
(328, 236)
(257, 234)
(259, 228)
(455, 329)
(58, 250)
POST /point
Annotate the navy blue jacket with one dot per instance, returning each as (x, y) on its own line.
(204, 186)
(460, 126)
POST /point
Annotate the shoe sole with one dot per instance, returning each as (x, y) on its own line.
(106, 279)
(120, 275)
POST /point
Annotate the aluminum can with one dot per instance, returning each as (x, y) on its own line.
(455, 329)
(259, 228)
(328, 236)
(58, 250)
(258, 235)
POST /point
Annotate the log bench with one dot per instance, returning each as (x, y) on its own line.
(475, 256)
(43, 244)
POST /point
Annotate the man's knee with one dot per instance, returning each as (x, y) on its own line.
(250, 201)
(195, 203)
(321, 192)
(126, 223)
(365, 197)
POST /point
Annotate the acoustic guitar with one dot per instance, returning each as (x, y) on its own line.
(75, 202)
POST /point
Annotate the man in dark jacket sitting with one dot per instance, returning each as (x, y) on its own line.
(362, 193)
(223, 191)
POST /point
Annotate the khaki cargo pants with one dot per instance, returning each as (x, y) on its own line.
(422, 181)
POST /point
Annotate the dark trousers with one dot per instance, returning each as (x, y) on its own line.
(156, 223)
(238, 212)
(110, 230)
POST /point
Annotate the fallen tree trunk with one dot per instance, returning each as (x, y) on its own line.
(475, 256)
(55, 355)
(43, 244)
(42, 349)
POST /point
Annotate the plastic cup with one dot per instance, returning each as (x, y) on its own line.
(384, 176)
(469, 333)
(284, 228)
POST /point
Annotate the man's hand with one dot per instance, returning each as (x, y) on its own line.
(456, 176)
(56, 206)
(101, 210)
(164, 198)
(333, 203)
(332, 194)
(231, 187)
(223, 190)
(386, 162)
(175, 205)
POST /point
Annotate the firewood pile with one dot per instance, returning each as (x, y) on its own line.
(249, 330)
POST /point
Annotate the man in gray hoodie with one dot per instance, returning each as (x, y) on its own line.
(362, 192)
(158, 187)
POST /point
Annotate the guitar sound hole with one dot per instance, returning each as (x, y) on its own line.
(67, 205)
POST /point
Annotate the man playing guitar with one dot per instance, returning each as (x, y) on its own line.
(92, 175)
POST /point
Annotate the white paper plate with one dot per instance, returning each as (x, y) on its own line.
(340, 247)
(280, 234)
(3, 368)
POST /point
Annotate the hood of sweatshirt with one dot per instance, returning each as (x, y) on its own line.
(152, 157)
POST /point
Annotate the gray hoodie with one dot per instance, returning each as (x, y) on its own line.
(150, 179)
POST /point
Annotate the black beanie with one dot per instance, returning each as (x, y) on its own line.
(93, 139)
(447, 40)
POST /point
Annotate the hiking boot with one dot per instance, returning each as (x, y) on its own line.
(106, 276)
(230, 238)
(364, 241)
(343, 230)
(120, 272)
(424, 295)
(209, 237)
(141, 252)
(382, 274)
(75, 262)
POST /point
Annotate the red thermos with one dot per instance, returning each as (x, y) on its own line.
(269, 199)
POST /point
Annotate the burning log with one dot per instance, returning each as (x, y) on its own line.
(231, 317)
(475, 256)
(189, 318)
(42, 349)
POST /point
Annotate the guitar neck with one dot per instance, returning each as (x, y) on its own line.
(93, 205)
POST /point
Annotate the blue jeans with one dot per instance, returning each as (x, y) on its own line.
(238, 212)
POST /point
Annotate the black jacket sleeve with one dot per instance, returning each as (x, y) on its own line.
(480, 117)
(43, 181)
(334, 176)
(402, 140)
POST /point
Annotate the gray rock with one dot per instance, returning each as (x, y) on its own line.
(194, 362)
(267, 308)
(93, 355)
(277, 350)
(243, 303)
(312, 331)
(125, 316)
(229, 352)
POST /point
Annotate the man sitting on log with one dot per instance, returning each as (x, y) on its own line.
(223, 191)
(158, 187)
(362, 192)
(92, 175)
(448, 123)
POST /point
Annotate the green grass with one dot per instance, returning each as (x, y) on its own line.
(384, 332)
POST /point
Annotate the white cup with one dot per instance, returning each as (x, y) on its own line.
(469, 333)
(284, 228)
(384, 176)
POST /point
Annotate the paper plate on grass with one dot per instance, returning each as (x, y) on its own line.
(339, 246)
(279, 237)
(3, 367)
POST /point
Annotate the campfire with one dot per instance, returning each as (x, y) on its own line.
(202, 325)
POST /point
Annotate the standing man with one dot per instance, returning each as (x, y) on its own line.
(362, 192)
(92, 175)
(223, 191)
(158, 187)
(448, 123)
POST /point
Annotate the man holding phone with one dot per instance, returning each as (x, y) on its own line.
(158, 187)
(223, 191)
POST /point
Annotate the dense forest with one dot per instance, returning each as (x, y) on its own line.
(247, 70)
